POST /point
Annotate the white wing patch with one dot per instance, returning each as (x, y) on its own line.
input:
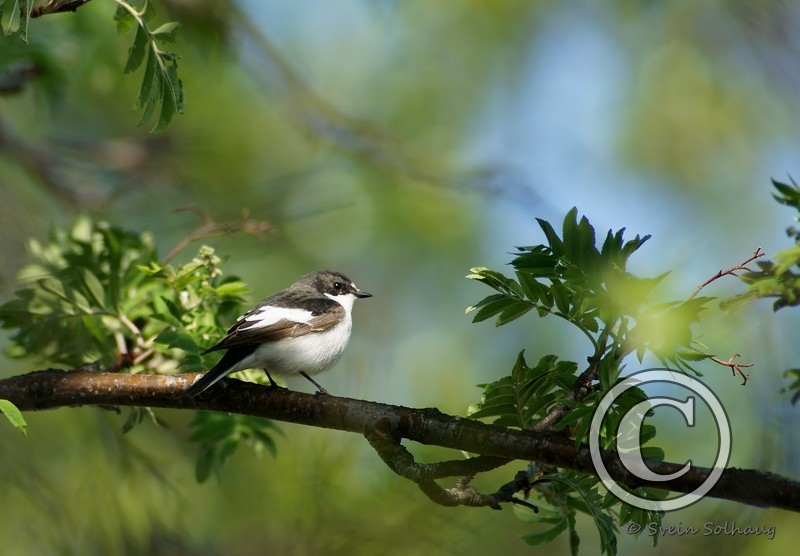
(269, 315)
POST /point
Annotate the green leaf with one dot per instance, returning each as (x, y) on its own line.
(179, 340)
(166, 32)
(513, 312)
(204, 465)
(136, 416)
(220, 434)
(561, 296)
(537, 264)
(555, 243)
(10, 17)
(652, 452)
(171, 97)
(25, 17)
(148, 11)
(533, 290)
(124, 19)
(794, 375)
(787, 194)
(94, 288)
(496, 280)
(689, 355)
(232, 289)
(547, 535)
(150, 91)
(516, 400)
(137, 51)
(14, 416)
(160, 81)
(147, 91)
(493, 307)
(579, 240)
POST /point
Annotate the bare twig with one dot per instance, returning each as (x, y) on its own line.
(758, 253)
(735, 367)
(212, 228)
(732, 271)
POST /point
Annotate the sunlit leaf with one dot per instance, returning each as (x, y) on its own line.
(14, 416)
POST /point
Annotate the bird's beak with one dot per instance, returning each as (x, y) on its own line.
(361, 295)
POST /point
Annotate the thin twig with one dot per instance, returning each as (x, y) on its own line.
(758, 253)
(736, 367)
(212, 228)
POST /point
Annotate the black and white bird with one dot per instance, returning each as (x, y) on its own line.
(300, 330)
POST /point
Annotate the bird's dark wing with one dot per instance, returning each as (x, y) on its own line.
(263, 324)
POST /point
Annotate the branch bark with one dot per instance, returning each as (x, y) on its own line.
(385, 425)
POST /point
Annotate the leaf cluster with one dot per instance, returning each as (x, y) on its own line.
(588, 285)
(160, 86)
(562, 495)
(777, 279)
(528, 394)
(82, 296)
(591, 288)
(220, 434)
(97, 292)
(160, 82)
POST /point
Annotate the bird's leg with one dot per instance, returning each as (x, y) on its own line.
(272, 383)
(320, 389)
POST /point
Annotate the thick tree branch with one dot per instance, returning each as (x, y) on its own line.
(54, 388)
(400, 460)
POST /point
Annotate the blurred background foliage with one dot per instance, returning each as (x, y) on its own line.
(401, 143)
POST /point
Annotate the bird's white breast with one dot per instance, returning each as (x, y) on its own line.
(310, 353)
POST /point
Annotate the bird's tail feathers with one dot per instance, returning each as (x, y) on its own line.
(204, 383)
(225, 366)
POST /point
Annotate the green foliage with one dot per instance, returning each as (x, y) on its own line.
(794, 375)
(14, 17)
(588, 286)
(160, 82)
(562, 495)
(98, 292)
(571, 278)
(82, 296)
(14, 416)
(777, 279)
(528, 394)
(219, 434)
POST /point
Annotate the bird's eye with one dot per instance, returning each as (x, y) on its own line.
(337, 285)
